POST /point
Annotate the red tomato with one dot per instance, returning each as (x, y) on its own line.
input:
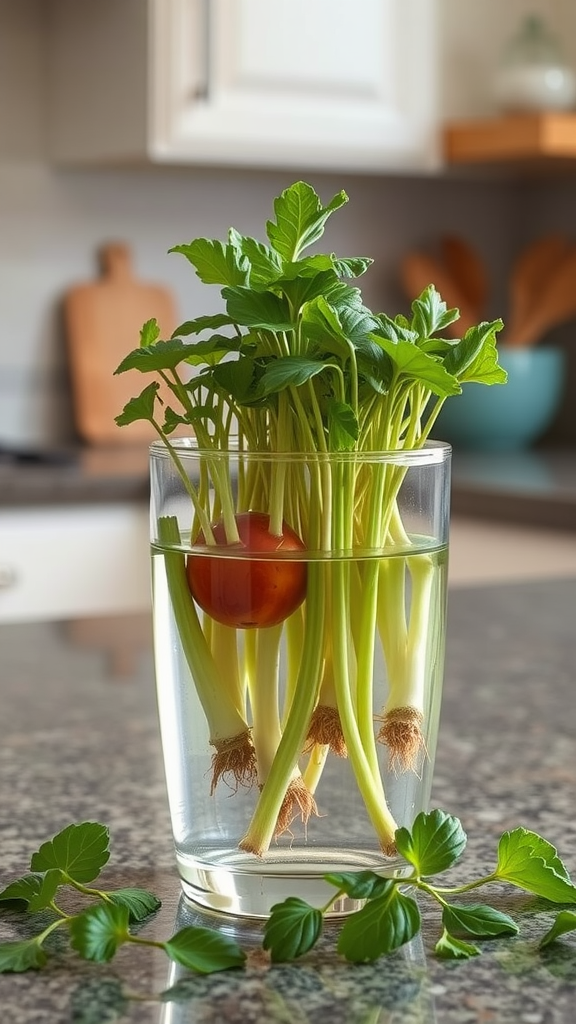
(246, 592)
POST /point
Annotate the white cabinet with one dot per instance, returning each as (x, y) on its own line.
(73, 561)
(286, 83)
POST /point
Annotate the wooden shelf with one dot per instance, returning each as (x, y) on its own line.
(547, 137)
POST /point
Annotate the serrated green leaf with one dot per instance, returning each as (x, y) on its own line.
(360, 885)
(352, 266)
(480, 920)
(32, 892)
(434, 843)
(430, 313)
(162, 355)
(139, 902)
(321, 325)
(289, 371)
(412, 362)
(139, 408)
(211, 350)
(265, 264)
(239, 379)
(16, 957)
(80, 851)
(300, 219)
(527, 860)
(202, 323)
(99, 931)
(383, 925)
(292, 929)
(263, 310)
(149, 333)
(310, 266)
(204, 950)
(450, 948)
(215, 262)
(475, 357)
(343, 427)
(565, 922)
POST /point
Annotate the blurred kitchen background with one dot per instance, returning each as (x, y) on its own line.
(151, 122)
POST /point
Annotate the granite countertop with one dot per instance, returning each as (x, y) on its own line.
(536, 487)
(79, 744)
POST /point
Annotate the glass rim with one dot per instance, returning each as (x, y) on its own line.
(431, 453)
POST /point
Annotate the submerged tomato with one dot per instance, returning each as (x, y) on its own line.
(242, 586)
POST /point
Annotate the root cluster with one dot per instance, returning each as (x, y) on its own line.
(298, 802)
(401, 731)
(235, 756)
(326, 729)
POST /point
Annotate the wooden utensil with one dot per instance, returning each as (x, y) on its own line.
(553, 303)
(418, 270)
(103, 320)
(534, 269)
(467, 269)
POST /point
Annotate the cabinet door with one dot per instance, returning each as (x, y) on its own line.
(61, 563)
(310, 83)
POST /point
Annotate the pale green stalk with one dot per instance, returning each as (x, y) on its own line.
(224, 720)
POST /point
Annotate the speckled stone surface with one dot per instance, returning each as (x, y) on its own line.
(77, 743)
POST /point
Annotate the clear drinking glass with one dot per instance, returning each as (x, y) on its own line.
(299, 626)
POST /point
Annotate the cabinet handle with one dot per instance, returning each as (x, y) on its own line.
(203, 90)
(8, 576)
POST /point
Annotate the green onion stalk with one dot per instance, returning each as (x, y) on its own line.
(309, 387)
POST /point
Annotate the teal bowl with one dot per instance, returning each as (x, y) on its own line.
(506, 417)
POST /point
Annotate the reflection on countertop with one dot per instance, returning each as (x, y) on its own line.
(79, 745)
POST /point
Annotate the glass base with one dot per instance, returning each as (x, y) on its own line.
(236, 883)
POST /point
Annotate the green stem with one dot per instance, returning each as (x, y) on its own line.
(263, 823)
(370, 786)
(223, 719)
(457, 889)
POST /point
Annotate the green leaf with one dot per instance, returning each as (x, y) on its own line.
(80, 851)
(450, 948)
(527, 860)
(211, 350)
(292, 929)
(360, 885)
(353, 266)
(565, 922)
(216, 262)
(204, 950)
(480, 920)
(139, 408)
(202, 323)
(321, 324)
(289, 371)
(265, 264)
(98, 932)
(343, 427)
(430, 313)
(475, 357)
(435, 842)
(310, 266)
(384, 924)
(300, 219)
(149, 333)
(17, 957)
(257, 309)
(411, 362)
(139, 902)
(32, 892)
(163, 355)
(238, 379)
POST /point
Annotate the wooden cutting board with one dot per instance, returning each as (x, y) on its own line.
(103, 320)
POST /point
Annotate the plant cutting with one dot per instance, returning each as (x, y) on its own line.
(299, 550)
